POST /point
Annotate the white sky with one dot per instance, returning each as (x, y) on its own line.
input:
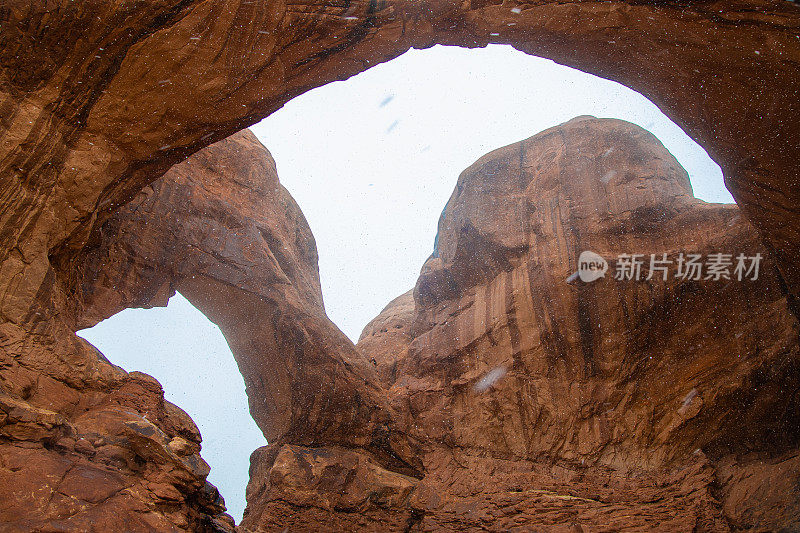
(372, 180)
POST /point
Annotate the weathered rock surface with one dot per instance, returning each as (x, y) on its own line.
(605, 366)
(381, 337)
(86, 446)
(515, 400)
(108, 456)
(221, 229)
(541, 405)
(99, 99)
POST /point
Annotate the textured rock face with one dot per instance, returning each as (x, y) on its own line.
(84, 444)
(99, 99)
(495, 395)
(102, 453)
(87, 446)
(222, 230)
(381, 337)
(527, 390)
(598, 371)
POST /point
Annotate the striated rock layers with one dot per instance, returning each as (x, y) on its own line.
(542, 405)
(85, 446)
(495, 396)
(98, 100)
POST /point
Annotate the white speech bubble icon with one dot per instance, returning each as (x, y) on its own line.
(591, 266)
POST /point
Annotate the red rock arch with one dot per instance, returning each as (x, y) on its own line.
(101, 100)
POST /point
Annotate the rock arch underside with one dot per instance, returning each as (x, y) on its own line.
(494, 395)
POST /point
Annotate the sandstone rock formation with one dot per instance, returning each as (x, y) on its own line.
(221, 229)
(86, 446)
(617, 404)
(99, 99)
(381, 337)
(541, 405)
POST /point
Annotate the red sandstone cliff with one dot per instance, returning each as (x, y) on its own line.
(494, 396)
(100, 99)
(504, 396)
(541, 405)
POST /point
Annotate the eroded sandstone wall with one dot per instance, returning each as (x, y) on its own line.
(222, 230)
(86, 446)
(99, 99)
(544, 405)
(658, 404)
